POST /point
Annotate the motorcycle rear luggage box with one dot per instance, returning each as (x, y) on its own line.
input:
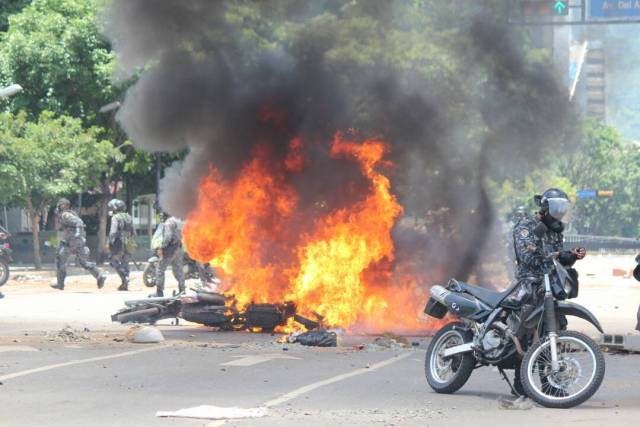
(435, 309)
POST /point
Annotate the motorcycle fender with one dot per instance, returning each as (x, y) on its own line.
(570, 309)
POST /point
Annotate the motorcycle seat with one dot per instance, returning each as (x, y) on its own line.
(488, 296)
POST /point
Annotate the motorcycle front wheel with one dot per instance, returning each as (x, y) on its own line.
(4, 272)
(449, 374)
(149, 275)
(580, 373)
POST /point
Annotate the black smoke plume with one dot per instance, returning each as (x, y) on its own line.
(202, 88)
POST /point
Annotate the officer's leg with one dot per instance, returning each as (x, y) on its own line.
(62, 255)
(83, 252)
(119, 265)
(161, 266)
(177, 266)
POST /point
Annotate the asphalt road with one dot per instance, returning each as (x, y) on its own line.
(99, 382)
(96, 381)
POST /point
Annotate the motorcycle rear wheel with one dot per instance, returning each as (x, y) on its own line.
(448, 375)
(577, 354)
(4, 272)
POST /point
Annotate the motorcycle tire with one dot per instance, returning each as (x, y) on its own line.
(564, 400)
(138, 315)
(460, 364)
(4, 271)
(149, 276)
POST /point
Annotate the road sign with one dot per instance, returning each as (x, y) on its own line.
(587, 194)
(539, 8)
(605, 193)
(561, 7)
(613, 10)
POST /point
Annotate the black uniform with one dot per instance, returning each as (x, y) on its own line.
(531, 252)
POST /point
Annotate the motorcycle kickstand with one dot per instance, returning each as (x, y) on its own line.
(504, 376)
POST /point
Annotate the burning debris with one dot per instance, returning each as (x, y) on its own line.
(213, 309)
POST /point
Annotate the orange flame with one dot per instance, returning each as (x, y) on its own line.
(339, 264)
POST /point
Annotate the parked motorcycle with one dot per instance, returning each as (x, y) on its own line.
(558, 368)
(190, 267)
(5, 257)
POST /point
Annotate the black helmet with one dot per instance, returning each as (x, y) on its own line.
(116, 205)
(555, 202)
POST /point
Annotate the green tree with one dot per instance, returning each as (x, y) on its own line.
(602, 161)
(54, 49)
(8, 8)
(45, 159)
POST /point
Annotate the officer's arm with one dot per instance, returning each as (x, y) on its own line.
(567, 258)
(527, 248)
(113, 231)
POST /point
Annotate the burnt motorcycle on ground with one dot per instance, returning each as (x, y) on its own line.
(558, 368)
(209, 309)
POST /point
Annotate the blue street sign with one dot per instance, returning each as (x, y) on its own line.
(587, 194)
(614, 10)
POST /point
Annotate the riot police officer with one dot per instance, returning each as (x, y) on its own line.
(534, 239)
(121, 240)
(167, 242)
(72, 244)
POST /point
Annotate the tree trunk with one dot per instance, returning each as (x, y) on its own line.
(34, 215)
(101, 252)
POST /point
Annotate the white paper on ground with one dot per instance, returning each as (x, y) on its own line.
(214, 413)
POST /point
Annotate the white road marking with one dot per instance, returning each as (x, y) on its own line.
(250, 360)
(313, 386)
(306, 389)
(77, 362)
(8, 348)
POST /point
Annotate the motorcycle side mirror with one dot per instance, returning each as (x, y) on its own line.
(540, 229)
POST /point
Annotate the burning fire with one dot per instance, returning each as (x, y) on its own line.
(338, 263)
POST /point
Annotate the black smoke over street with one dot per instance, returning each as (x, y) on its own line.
(201, 87)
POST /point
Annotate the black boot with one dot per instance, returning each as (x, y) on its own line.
(58, 286)
(124, 286)
(101, 279)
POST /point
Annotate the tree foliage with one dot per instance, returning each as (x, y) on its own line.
(45, 159)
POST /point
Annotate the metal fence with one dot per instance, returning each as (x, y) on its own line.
(602, 243)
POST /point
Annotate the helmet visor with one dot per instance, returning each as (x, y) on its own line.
(560, 209)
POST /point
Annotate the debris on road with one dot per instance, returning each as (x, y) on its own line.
(25, 277)
(522, 403)
(315, 338)
(388, 340)
(144, 335)
(209, 412)
(67, 334)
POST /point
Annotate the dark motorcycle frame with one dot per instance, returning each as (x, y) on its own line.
(482, 310)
